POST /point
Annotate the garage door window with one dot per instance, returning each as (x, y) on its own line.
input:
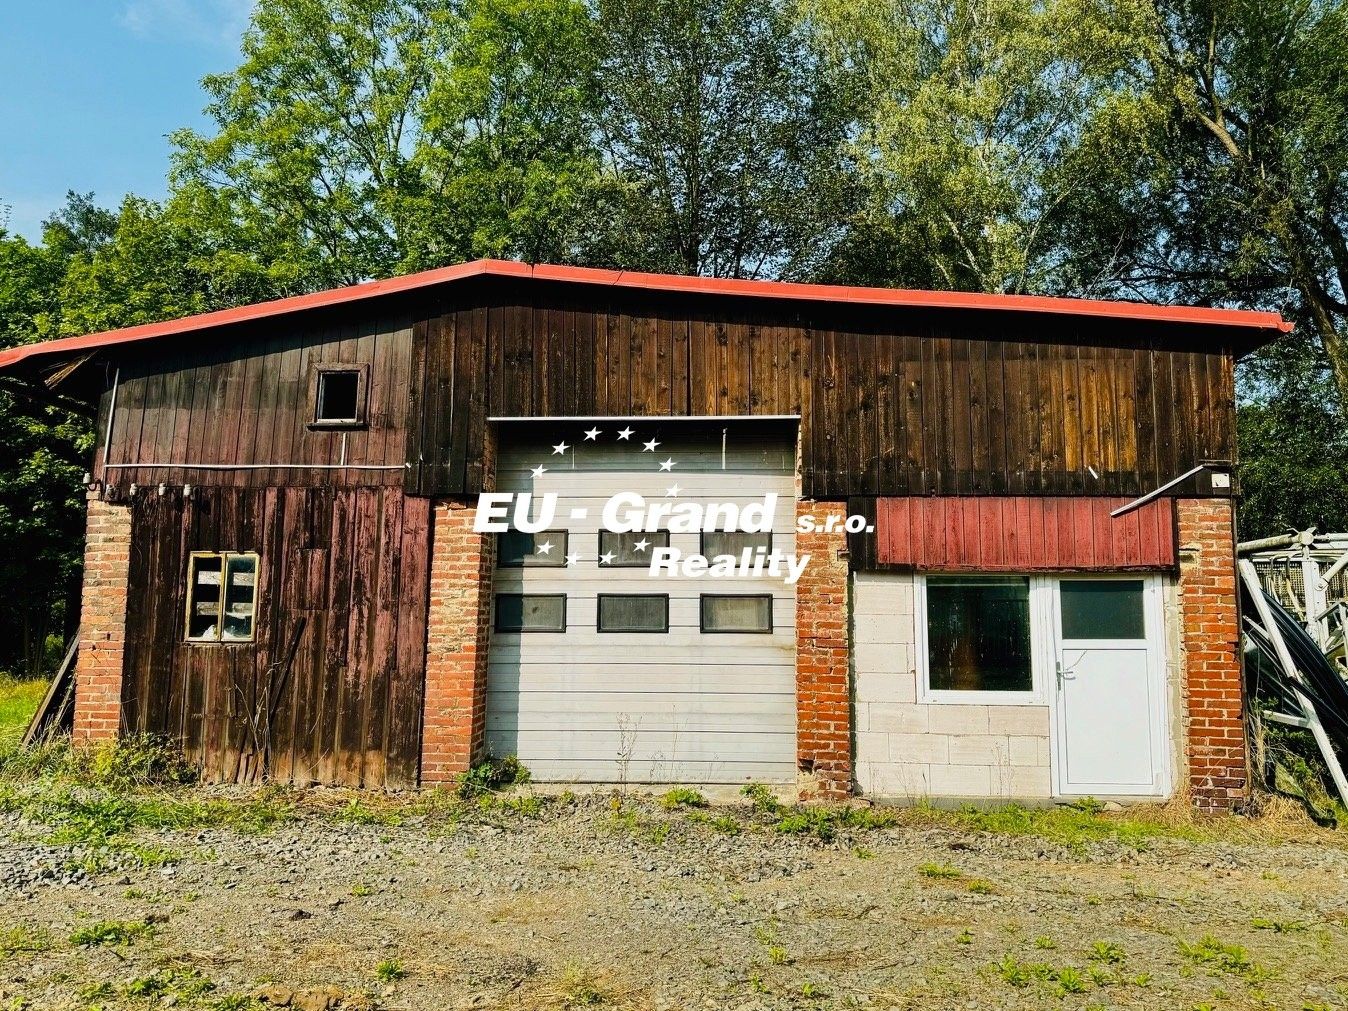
(633, 612)
(516, 550)
(733, 542)
(622, 550)
(531, 612)
(736, 612)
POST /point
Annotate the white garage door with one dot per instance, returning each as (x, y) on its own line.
(645, 679)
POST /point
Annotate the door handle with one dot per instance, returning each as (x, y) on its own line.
(1064, 673)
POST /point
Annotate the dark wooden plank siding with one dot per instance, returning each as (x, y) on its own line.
(911, 403)
(231, 406)
(343, 580)
(891, 403)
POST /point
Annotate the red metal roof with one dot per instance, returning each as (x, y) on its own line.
(781, 290)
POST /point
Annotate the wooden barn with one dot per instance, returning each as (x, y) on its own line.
(992, 553)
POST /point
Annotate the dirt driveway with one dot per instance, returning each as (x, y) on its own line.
(592, 901)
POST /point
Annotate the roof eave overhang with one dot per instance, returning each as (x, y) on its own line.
(1254, 328)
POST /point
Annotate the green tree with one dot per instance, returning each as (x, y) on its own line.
(1293, 442)
(509, 145)
(723, 135)
(1253, 132)
(976, 137)
(43, 448)
(363, 138)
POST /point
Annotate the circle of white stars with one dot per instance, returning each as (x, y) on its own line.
(592, 434)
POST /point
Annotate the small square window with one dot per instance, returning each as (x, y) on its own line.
(738, 612)
(531, 612)
(221, 596)
(633, 612)
(733, 542)
(517, 550)
(339, 395)
(623, 547)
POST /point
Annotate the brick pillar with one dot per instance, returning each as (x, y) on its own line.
(102, 634)
(455, 717)
(1214, 717)
(823, 707)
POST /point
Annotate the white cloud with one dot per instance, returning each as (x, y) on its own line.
(202, 22)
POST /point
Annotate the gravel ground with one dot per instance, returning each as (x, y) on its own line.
(584, 907)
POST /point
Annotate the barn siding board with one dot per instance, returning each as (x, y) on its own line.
(1014, 534)
(349, 710)
(892, 403)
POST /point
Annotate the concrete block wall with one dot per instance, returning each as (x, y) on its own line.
(102, 635)
(908, 749)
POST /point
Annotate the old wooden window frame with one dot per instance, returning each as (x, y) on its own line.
(323, 369)
(218, 639)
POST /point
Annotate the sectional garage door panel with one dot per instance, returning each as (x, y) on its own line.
(677, 706)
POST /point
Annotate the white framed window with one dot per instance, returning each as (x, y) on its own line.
(221, 596)
(980, 638)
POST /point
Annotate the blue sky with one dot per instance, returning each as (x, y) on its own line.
(89, 90)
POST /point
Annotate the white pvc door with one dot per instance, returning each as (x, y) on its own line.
(1110, 707)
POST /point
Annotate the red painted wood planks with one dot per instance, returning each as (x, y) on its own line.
(1024, 533)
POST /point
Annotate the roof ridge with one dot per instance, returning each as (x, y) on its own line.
(678, 283)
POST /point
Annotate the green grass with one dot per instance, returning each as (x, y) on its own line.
(1060, 980)
(390, 970)
(18, 702)
(111, 932)
(99, 798)
(824, 822)
(682, 796)
(22, 939)
(1074, 826)
(930, 870)
(1223, 957)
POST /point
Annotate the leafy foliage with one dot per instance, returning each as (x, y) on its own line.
(1174, 150)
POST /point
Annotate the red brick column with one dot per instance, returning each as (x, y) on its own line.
(455, 717)
(823, 705)
(98, 664)
(1214, 716)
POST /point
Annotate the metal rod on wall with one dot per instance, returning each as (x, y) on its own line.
(260, 466)
(112, 412)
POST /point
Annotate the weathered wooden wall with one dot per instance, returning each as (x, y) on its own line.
(992, 533)
(892, 403)
(232, 402)
(344, 580)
